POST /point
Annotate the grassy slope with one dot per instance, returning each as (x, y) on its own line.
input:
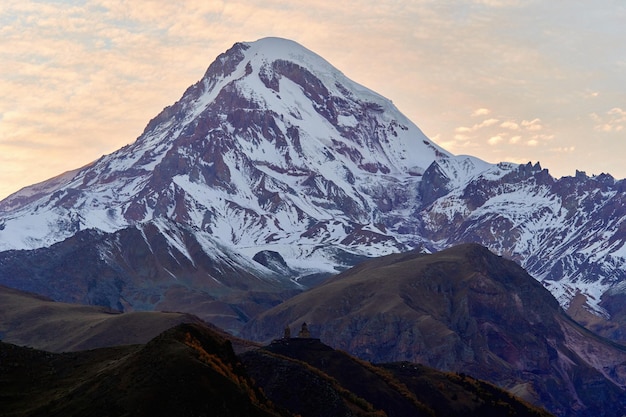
(31, 320)
(186, 371)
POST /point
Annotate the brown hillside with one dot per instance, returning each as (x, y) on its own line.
(463, 310)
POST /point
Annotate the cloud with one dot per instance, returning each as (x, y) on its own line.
(486, 123)
(534, 140)
(612, 121)
(492, 127)
(511, 125)
(566, 149)
(481, 112)
(86, 76)
(532, 125)
(500, 135)
(515, 139)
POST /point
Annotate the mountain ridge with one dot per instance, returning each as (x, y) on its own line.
(152, 266)
(192, 370)
(466, 310)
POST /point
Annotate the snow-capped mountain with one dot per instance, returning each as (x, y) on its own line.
(273, 147)
(276, 152)
(569, 233)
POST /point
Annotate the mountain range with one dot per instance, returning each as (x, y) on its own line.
(275, 172)
(274, 150)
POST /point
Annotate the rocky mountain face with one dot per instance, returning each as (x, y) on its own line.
(276, 150)
(191, 370)
(467, 310)
(273, 167)
(569, 233)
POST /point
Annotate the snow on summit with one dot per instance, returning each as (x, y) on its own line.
(405, 150)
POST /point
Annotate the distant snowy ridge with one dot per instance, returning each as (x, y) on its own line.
(569, 233)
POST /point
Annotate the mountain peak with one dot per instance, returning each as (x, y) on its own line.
(274, 48)
(273, 138)
(281, 64)
(267, 50)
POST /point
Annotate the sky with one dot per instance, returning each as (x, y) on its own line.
(503, 80)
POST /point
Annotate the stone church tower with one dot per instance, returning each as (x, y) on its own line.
(304, 332)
